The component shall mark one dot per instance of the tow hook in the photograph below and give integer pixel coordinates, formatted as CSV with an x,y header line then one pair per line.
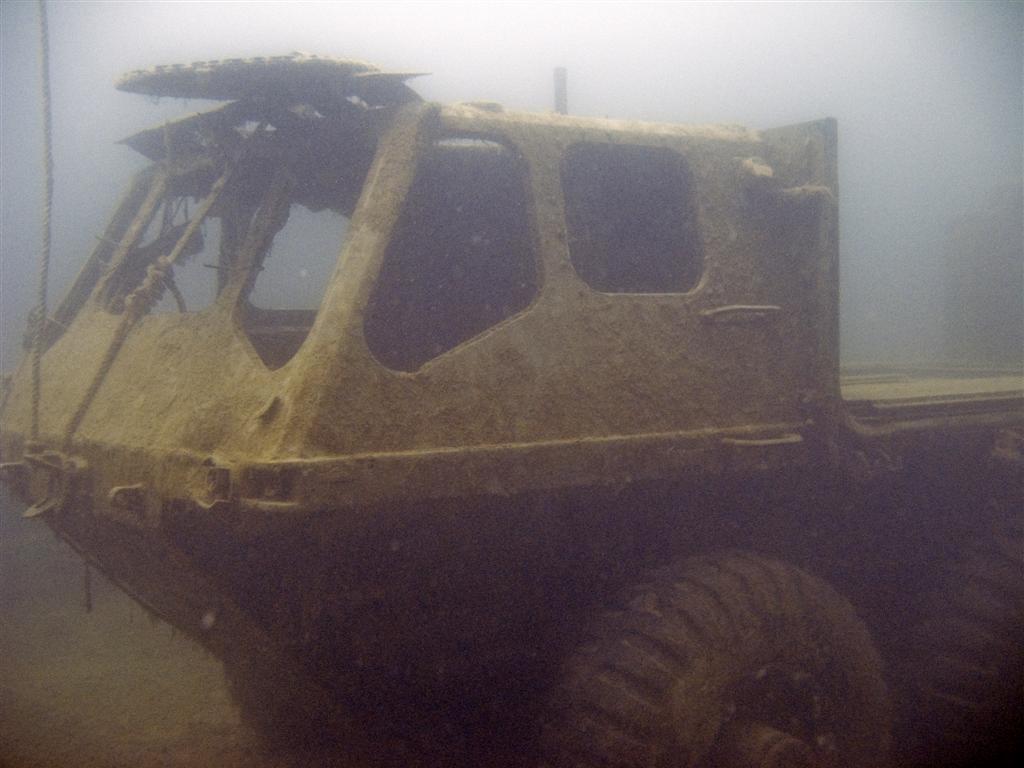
x,y
1009,448
45,479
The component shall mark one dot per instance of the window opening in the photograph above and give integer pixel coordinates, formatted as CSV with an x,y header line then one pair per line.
x,y
291,282
189,286
631,218
462,256
193,284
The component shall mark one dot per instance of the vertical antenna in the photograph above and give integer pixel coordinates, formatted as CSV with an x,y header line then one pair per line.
x,y
561,91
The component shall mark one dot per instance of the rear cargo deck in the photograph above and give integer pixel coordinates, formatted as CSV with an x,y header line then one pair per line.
x,y
879,395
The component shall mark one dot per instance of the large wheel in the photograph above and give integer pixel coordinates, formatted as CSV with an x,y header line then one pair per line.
x,y
966,670
723,661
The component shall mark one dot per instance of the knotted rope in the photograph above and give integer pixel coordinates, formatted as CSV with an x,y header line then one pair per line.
x,y
140,301
38,317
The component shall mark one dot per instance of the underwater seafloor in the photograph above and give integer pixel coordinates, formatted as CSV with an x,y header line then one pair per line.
x,y
89,679
108,687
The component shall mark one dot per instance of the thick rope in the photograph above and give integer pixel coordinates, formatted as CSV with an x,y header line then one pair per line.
x,y
38,320
139,302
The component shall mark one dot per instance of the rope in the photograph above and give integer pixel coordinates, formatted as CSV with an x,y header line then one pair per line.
x,y
38,319
139,302
172,287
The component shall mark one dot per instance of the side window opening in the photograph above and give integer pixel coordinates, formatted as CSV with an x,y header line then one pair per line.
x,y
631,218
291,282
462,257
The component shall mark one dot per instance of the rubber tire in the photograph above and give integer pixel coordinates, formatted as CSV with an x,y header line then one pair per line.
x,y
966,704
655,684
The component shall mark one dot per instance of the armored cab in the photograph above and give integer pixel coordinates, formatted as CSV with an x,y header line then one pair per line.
x,y
414,451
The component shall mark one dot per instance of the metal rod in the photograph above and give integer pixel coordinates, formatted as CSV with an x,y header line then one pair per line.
x,y
87,584
561,91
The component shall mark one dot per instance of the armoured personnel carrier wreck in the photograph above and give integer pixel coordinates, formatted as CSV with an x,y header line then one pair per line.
x,y
561,470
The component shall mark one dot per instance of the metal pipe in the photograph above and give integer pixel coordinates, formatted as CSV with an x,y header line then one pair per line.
x,y
561,91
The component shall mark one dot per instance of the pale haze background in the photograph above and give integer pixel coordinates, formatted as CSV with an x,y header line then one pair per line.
x,y
929,102
928,98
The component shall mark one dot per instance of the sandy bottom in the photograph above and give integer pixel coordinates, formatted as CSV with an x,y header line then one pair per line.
x,y
108,687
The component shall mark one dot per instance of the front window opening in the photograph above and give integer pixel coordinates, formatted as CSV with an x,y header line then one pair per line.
x,y
189,286
462,256
193,280
631,218
290,284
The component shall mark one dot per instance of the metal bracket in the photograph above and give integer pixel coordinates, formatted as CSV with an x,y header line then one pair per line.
x,y
49,478
789,438
1008,448
14,473
128,498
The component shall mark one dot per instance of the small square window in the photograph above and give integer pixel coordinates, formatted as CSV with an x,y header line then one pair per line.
x,y
631,218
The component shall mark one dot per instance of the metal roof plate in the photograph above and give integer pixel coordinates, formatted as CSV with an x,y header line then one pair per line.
x,y
298,75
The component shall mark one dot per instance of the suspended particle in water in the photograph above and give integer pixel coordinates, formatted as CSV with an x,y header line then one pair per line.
x,y
208,620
